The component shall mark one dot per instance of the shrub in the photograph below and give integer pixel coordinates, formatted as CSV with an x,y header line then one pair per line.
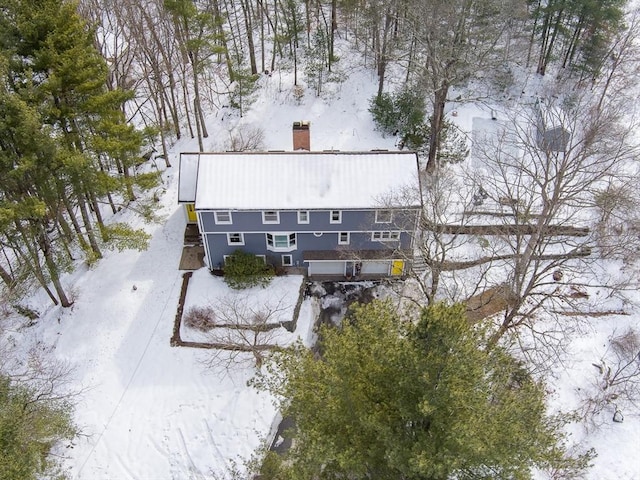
x,y
384,113
401,113
200,318
244,270
245,139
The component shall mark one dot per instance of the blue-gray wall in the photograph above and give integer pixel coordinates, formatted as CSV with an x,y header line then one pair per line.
x,y
256,244
352,220
358,223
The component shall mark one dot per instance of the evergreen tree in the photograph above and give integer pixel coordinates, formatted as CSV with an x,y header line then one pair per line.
x,y
64,143
30,424
391,398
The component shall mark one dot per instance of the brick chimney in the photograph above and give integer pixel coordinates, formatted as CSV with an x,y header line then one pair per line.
x,y
301,136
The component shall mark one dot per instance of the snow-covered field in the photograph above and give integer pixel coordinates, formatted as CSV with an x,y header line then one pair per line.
x,y
149,411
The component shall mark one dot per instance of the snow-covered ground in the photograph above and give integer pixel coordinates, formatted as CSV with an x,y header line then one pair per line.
x,y
150,411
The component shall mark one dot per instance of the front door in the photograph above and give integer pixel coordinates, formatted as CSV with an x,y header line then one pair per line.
x,y
397,267
191,213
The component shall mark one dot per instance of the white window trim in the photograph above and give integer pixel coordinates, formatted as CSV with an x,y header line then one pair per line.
x,y
385,212
340,242
302,222
271,222
289,248
225,259
331,220
290,263
222,222
391,236
230,243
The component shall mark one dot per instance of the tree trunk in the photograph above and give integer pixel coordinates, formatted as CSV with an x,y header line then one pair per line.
x,y
32,261
334,27
91,197
382,54
6,277
186,101
249,27
45,247
436,124
74,221
82,205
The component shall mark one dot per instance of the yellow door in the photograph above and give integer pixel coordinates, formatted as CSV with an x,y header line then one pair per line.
x,y
397,267
191,212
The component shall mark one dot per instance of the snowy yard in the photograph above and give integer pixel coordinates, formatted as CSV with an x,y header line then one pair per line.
x,y
149,411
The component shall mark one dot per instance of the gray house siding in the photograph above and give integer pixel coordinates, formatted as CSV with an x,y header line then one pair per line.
x,y
319,221
256,243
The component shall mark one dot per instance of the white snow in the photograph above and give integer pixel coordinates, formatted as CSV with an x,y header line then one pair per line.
x,y
308,180
150,411
188,175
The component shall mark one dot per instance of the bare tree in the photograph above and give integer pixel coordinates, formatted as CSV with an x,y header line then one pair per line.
x,y
544,170
436,268
455,40
617,378
620,367
618,208
37,412
234,327
245,139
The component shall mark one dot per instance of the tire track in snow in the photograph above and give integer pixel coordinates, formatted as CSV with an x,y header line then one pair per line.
x,y
213,444
192,466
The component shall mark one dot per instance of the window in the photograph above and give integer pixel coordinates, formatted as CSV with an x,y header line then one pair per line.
x,y
281,241
235,238
229,258
222,218
343,238
303,216
336,216
270,216
287,260
385,236
383,216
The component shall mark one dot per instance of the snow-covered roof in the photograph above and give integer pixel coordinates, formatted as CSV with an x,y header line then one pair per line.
x,y
188,174
302,180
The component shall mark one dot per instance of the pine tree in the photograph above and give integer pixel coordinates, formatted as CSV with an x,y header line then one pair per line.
x,y
391,398
30,424
65,142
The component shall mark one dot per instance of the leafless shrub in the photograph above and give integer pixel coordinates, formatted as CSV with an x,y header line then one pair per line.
x,y
245,139
622,375
202,319
618,376
242,329
619,221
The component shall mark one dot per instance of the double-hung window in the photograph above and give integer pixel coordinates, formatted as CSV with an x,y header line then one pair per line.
x,y
235,239
303,216
335,216
344,238
385,236
270,216
222,218
281,242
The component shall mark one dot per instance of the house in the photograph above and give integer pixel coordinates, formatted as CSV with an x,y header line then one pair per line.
x,y
551,135
323,214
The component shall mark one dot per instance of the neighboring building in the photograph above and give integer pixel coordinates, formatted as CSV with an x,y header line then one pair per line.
x,y
326,214
551,135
